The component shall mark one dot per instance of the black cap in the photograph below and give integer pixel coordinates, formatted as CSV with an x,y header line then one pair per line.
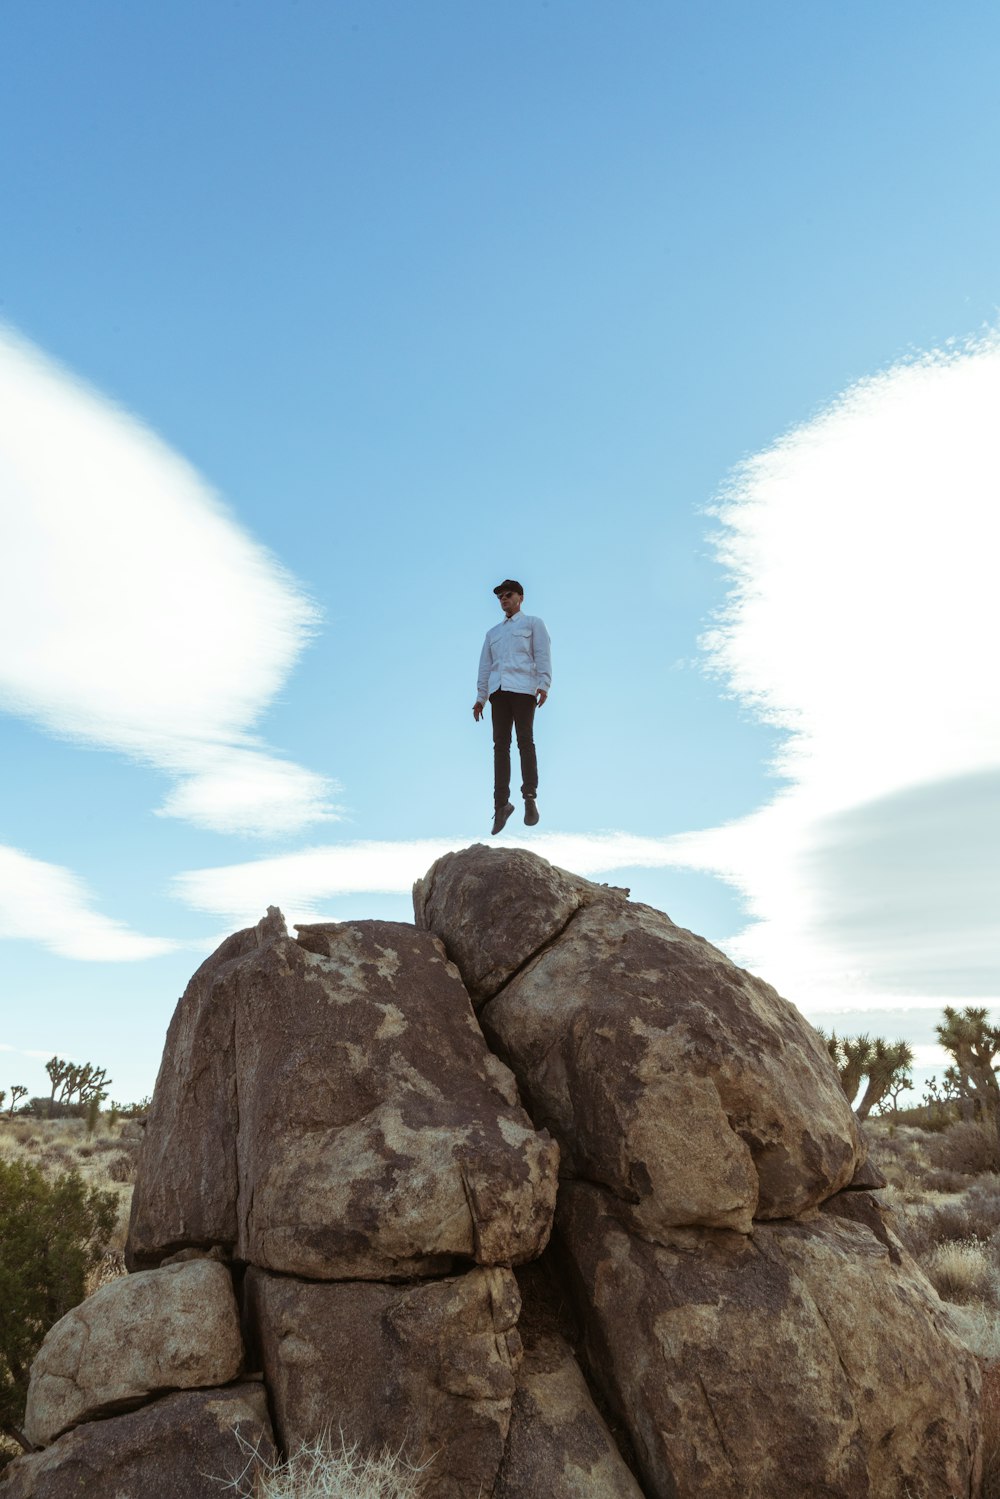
x,y
508,585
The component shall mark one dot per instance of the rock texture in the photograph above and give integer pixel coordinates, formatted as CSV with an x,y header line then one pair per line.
x,y
806,1358
723,1308
140,1335
427,1368
368,1129
687,1087
558,1444
182,1445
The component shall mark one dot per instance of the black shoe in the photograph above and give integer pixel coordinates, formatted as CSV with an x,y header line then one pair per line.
x,y
500,817
530,811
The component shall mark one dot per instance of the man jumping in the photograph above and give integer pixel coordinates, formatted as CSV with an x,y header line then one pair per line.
x,y
515,673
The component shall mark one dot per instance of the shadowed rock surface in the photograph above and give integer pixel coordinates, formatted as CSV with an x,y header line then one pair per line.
x,y
686,1086
426,1368
180,1447
558,1445
370,1131
808,1358
136,1337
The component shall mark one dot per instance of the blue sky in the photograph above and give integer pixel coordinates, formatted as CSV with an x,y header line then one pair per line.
x,y
320,319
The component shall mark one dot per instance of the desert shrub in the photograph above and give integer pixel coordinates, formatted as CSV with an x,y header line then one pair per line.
x,y
982,1200
329,1469
967,1147
52,1234
121,1169
939,1179
960,1271
51,1108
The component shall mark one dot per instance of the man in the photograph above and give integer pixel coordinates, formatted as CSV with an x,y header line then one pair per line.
x,y
515,672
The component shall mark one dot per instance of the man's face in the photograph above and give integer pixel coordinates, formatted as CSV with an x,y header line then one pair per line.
x,y
510,602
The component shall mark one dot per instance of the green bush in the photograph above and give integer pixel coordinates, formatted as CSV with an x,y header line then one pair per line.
x,y
52,1234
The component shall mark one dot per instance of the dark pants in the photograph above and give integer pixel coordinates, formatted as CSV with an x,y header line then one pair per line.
x,y
513,710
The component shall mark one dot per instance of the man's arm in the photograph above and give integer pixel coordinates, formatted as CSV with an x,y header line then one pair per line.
x,y
483,680
541,648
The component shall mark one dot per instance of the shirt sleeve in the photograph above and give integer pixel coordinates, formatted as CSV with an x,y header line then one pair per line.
x,y
485,662
542,650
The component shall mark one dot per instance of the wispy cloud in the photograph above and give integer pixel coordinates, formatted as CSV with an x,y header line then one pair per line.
x,y
137,614
50,905
304,883
862,554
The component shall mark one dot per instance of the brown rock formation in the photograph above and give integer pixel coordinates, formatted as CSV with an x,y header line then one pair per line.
x,y
329,1116
182,1445
686,1086
138,1336
377,1136
426,1368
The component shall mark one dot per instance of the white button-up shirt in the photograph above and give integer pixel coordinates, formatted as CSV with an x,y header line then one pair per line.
x,y
517,656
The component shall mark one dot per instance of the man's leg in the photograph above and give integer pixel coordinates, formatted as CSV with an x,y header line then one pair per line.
x,y
502,708
524,722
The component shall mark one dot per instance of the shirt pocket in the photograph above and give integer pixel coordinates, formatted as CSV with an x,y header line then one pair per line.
x,y
521,644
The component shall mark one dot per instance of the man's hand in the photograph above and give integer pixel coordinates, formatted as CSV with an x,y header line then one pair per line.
x,y
477,711
540,697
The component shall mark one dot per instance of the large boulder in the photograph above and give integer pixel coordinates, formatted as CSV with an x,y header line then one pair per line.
x,y
558,1444
685,1085
368,1128
194,1445
425,1369
138,1336
809,1358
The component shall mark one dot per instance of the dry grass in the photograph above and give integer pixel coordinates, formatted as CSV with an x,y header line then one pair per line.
x,y
327,1469
946,1204
960,1270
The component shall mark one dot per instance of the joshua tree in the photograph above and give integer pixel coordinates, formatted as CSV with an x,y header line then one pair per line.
x,y
974,1043
16,1093
885,1064
83,1081
888,1071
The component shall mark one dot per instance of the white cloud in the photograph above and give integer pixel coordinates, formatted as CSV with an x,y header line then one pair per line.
x,y
301,882
47,904
862,552
139,616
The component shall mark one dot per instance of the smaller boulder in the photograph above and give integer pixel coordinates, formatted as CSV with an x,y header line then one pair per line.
x,y
425,1369
194,1444
499,907
171,1329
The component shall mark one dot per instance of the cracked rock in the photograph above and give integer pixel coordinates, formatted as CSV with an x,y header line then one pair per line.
x,y
426,1369
361,1125
685,1085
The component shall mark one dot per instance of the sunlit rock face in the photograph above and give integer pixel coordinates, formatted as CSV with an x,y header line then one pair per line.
x,y
688,1088
137,1337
